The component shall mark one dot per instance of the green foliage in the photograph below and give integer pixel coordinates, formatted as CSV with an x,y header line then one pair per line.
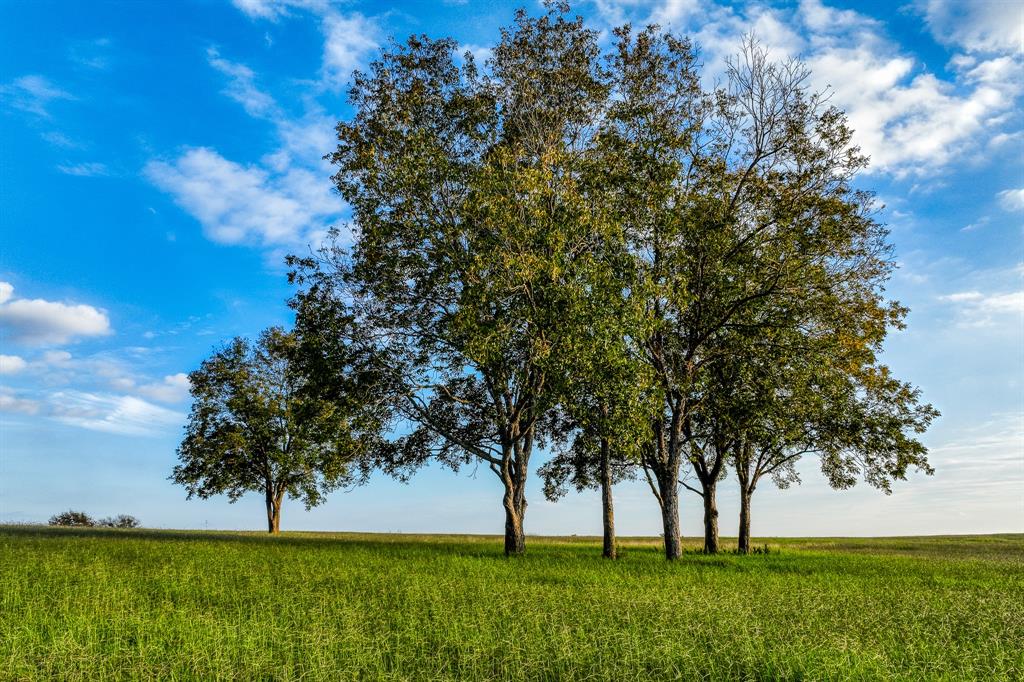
x,y
119,521
592,249
259,423
85,604
72,518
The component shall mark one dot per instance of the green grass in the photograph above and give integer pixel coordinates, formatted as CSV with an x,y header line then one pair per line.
x,y
95,604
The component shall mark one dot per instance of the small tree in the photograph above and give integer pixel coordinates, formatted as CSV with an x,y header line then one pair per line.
x,y
119,521
257,424
72,518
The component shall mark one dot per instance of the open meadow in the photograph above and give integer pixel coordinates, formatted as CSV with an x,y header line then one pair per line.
x,y
142,604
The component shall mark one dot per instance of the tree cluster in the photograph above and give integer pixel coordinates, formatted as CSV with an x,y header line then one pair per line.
x,y
592,252
80,519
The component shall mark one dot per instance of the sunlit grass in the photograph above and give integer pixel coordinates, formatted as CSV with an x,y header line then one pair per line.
x,y
186,605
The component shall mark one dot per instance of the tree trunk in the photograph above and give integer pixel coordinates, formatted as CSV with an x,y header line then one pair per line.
x,y
273,514
515,538
710,518
670,519
607,508
743,545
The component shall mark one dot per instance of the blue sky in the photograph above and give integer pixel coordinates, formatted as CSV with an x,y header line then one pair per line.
x,y
157,160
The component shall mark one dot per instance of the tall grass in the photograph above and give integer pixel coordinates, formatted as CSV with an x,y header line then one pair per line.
x,y
90,604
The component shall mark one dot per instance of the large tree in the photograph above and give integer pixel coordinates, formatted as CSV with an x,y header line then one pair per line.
x,y
469,219
259,425
740,206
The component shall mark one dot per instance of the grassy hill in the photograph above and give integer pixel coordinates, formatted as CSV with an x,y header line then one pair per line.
x,y
94,604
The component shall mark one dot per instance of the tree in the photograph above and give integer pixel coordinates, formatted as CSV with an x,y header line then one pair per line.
x,y
72,518
469,220
858,419
745,225
119,521
259,424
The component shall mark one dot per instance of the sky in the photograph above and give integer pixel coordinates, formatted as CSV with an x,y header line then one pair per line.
x,y
158,160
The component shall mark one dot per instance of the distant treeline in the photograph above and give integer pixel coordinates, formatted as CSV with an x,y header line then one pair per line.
x,y
596,250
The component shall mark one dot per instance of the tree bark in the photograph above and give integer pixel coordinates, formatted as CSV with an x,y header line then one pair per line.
x,y
515,538
670,519
607,508
710,518
513,477
273,514
743,544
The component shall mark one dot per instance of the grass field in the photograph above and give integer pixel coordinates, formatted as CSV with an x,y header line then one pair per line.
x,y
95,604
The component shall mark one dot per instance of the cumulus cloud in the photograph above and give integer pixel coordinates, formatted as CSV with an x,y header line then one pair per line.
x,y
236,203
979,26
118,414
41,322
909,120
1011,199
173,389
11,364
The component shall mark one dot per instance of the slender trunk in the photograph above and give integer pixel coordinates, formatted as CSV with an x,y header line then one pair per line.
x,y
670,519
743,545
607,508
273,514
710,518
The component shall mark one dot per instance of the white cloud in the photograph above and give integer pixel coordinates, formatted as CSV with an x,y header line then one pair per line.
x,y
173,389
977,26
908,119
12,403
236,203
119,414
977,309
348,39
56,357
11,364
86,170
59,139
273,9
33,94
40,322
242,86
1012,199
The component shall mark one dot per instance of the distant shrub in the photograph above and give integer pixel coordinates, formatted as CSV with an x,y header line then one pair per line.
x,y
119,521
72,518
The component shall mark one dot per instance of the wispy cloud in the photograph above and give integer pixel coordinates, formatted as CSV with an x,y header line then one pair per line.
x,y
981,310
242,86
1011,199
33,94
118,414
89,169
